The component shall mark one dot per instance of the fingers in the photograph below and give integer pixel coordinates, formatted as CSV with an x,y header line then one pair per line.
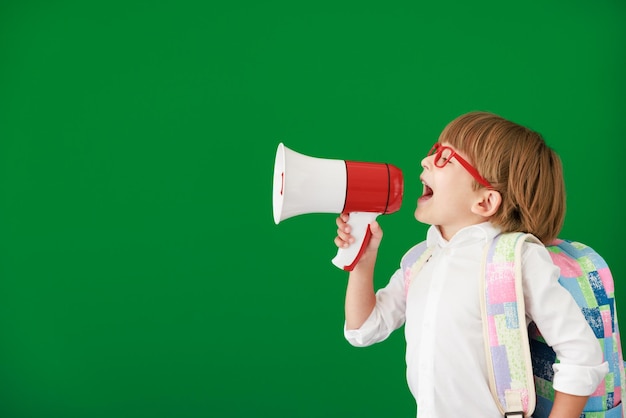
x,y
343,238
340,243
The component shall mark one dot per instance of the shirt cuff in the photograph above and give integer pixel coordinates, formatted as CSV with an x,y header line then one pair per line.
x,y
363,336
578,380
354,336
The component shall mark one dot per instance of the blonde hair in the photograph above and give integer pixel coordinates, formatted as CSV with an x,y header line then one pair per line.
x,y
520,166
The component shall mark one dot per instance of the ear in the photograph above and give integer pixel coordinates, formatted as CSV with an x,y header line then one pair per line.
x,y
488,203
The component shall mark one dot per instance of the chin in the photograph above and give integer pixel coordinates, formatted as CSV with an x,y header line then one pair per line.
x,y
420,217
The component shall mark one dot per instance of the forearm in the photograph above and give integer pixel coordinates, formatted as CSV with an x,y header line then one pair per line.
x,y
360,295
567,406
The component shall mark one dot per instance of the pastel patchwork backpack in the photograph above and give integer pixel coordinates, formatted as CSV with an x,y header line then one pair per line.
x,y
519,360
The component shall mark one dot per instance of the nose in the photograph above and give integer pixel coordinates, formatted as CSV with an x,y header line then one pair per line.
x,y
426,162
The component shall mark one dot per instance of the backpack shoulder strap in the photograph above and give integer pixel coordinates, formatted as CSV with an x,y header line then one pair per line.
x,y
413,261
504,325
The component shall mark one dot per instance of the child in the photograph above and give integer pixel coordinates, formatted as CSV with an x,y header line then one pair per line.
x,y
485,175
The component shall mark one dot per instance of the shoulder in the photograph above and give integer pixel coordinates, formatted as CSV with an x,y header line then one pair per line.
x,y
538,268
535,252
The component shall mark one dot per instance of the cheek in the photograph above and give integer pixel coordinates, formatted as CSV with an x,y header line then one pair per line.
x,y
462,180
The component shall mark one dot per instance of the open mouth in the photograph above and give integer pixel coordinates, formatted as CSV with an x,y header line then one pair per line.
x,y
427,192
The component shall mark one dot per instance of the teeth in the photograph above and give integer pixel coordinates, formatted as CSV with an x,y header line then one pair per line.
x,y
427,190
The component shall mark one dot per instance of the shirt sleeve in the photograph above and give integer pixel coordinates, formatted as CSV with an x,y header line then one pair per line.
x,y
386,317
555,312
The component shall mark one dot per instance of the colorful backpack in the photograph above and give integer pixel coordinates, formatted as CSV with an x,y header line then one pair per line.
x,y
519,360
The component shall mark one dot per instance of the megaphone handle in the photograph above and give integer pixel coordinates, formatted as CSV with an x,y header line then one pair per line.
x,y
359,222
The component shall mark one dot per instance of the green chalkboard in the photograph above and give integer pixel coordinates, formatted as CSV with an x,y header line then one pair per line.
x,y
141,271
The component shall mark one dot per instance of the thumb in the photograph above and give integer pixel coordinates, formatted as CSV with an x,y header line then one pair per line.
x,y
377,234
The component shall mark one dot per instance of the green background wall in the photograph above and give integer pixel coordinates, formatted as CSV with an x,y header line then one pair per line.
x,y
141,272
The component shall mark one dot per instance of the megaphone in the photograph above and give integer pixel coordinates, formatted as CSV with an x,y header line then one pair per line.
x,y
304,184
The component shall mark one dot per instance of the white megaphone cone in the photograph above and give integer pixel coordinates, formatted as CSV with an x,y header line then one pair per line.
x,y
304,184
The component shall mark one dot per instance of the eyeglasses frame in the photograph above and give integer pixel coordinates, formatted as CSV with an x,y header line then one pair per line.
x,y
438,149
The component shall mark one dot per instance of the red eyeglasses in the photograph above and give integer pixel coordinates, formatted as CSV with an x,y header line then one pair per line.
x,y
443,155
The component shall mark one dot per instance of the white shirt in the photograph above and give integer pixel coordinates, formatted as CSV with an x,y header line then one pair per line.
x,y
445,357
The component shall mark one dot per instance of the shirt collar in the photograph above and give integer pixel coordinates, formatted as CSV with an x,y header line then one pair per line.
x,y
482,232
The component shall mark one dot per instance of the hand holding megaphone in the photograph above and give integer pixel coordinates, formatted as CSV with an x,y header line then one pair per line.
x,y
360,233
364,190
